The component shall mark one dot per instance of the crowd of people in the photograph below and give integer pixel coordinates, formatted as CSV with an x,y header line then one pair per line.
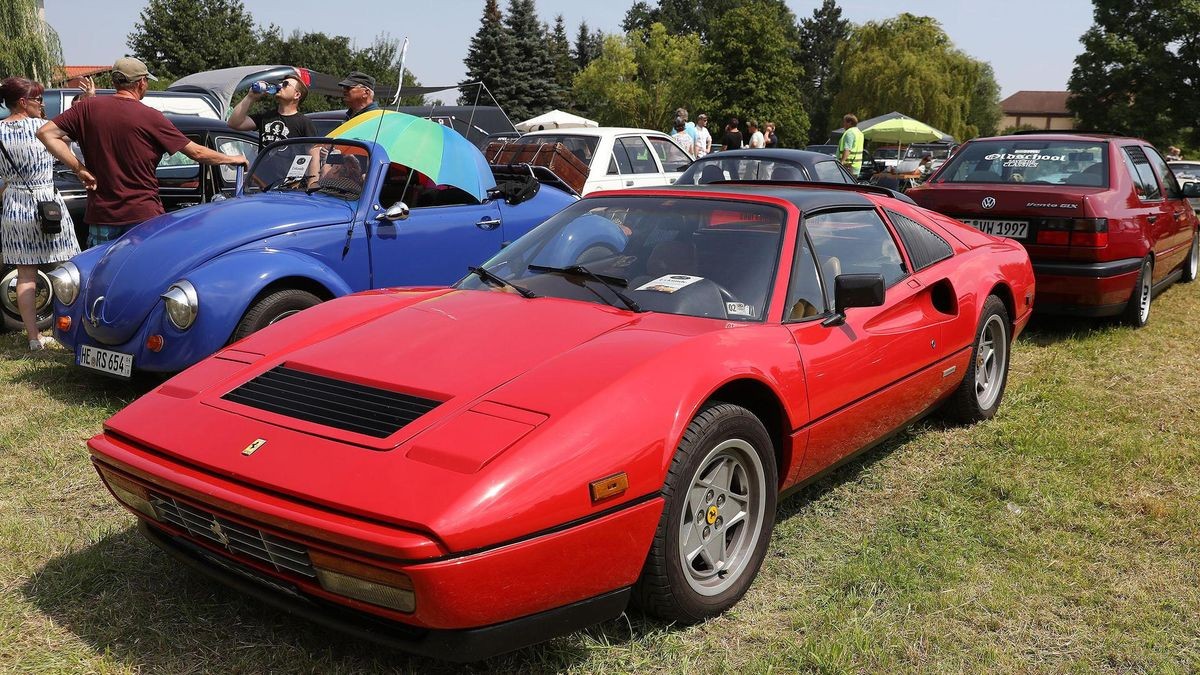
x,y
120,143
697,140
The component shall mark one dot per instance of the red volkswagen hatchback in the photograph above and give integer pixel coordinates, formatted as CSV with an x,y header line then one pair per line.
x,y
1103,218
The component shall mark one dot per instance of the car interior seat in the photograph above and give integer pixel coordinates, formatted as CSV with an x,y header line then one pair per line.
x,y
671,257
786,172
711,174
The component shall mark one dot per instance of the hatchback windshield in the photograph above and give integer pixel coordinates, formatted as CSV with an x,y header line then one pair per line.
x,y
1039,162
695,257
939,151
333,168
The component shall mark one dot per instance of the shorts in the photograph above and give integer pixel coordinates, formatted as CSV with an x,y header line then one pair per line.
x,y
101,234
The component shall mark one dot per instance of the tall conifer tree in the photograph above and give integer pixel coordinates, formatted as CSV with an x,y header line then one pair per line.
x,y
532,88
488,56
819,40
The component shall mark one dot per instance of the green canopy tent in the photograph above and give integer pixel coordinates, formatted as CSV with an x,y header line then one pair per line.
x,y
902,130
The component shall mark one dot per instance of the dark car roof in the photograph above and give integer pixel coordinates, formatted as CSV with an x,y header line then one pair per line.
x,y
186,123
805,196
800,156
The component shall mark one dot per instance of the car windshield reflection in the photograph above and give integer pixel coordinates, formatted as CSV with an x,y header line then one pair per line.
x,y
687,256
332,168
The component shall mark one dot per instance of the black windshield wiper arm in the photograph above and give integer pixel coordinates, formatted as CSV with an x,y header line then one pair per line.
x,y
610,281
488,275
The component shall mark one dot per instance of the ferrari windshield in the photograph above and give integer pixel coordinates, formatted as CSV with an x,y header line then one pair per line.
x,y
330,167
695,257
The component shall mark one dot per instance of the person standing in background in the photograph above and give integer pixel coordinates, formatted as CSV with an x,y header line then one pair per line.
x,y
732,138
683,139
771,139
358,93
703,137
28,173
756,136
850,145
284,122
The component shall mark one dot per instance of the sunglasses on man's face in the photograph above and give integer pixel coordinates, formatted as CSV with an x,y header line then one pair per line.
x,y
285,84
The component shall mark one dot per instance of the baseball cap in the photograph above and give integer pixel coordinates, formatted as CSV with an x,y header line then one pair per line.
x,y
356,78
131,69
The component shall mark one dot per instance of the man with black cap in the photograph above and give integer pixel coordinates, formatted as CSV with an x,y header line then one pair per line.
x,y
358,92
122,142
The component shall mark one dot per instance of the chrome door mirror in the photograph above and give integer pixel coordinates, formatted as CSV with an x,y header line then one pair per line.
x,y
395,212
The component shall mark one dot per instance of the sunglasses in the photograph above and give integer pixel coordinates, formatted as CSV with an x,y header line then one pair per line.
x,y
285,84
35,99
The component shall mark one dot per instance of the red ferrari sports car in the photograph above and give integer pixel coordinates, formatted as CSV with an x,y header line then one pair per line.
x,y
607,410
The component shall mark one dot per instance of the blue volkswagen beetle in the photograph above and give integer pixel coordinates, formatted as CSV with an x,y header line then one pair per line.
x,y
316,219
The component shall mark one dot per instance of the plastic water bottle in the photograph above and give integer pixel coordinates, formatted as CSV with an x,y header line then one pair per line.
x,y
261,87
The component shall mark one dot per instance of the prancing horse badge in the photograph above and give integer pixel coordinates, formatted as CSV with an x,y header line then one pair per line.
x,y
253,447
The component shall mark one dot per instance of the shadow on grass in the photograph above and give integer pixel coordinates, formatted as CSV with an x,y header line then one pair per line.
x,y
1045,330
56,375
129,601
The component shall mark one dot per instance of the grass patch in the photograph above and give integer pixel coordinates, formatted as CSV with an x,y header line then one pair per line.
x,y
1061,536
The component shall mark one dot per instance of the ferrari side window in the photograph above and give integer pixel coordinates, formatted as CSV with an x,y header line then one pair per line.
x,y
854,242
805,299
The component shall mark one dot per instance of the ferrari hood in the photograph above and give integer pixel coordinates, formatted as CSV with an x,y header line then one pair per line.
x,y
137,268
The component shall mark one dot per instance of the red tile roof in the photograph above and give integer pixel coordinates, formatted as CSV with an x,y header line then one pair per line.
x,y
1036,103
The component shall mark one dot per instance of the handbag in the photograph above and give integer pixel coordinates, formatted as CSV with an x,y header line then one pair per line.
x,y
48,212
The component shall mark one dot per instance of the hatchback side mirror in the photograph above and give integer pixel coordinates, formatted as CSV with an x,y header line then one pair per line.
x,y
1191,189
854,290
395,212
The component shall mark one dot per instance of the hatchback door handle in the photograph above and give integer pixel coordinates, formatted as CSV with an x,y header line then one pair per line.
x,y
488,224
628,183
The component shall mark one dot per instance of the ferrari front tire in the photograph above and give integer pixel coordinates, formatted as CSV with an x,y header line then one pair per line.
x,y
978,396
275,307
720,494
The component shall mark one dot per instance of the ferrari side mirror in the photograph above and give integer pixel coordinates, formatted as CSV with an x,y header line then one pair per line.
x,y
854,290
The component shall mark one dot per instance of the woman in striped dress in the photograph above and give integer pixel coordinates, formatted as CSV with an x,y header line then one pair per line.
x,y
30,181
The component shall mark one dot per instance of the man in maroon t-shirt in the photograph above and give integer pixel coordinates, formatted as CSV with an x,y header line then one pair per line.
x,y
122,142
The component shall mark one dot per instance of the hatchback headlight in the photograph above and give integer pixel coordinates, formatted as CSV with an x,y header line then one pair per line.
x,y
182,304
65,280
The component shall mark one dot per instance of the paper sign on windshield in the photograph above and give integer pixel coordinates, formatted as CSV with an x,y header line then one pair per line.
x,y
669,283
299,167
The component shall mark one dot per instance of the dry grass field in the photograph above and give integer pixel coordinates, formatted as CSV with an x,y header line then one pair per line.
x,y
1063,536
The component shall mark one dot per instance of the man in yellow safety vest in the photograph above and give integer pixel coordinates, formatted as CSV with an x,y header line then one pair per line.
x,y
850,147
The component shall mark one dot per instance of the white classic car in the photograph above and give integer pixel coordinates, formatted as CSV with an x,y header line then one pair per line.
x,y
618,157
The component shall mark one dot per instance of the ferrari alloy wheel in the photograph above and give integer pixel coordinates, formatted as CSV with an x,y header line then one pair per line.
x,y
1137,312
1191,266
273,308
712,536
978,397
43,299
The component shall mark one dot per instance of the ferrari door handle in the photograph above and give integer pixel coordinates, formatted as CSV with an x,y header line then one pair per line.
x,y
488,224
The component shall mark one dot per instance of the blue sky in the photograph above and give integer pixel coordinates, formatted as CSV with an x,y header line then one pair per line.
x,y
1031,44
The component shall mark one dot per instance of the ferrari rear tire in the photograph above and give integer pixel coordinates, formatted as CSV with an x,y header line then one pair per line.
x,y
1192,265
720,493
274,307
1137,312
43,298
978,396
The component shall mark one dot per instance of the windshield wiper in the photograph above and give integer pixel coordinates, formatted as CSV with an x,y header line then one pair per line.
x,y
337,189
280,183
610,281
488,275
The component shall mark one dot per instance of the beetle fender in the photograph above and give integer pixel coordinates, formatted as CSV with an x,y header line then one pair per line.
x,y
227,285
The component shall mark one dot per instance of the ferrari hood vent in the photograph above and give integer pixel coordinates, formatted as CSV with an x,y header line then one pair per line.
x,y
334,403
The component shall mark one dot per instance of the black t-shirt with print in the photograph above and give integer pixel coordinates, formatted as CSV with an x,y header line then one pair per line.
x,y
275,127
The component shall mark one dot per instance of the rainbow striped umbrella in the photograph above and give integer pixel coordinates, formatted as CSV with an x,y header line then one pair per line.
x,y
439,152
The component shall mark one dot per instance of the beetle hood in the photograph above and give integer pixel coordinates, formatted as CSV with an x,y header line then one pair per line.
x,y
126,283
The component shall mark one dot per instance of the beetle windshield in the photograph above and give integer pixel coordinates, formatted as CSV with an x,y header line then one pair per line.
x,y
329,167
689,256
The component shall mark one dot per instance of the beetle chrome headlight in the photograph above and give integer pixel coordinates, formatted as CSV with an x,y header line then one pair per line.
x,y
65,280
182,304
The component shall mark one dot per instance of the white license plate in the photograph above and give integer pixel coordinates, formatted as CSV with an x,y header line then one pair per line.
x,y
1013,229
113,363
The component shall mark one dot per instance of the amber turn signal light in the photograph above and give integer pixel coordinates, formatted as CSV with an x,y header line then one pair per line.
x,y
63,323
154,343
609,487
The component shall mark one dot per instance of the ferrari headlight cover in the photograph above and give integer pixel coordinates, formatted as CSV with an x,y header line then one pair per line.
x,y
182,304
65,280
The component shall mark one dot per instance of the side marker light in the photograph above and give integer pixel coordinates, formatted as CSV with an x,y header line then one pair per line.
x,y
609,487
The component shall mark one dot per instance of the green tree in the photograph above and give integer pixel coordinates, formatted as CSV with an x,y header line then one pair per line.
x,y
559,47
587,46
33,50
751,68
820,37
1132,77
530,86
640,78
908,64
179,37
488,56
983,110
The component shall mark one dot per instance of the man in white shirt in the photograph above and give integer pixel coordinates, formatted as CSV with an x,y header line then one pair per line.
x,y
756,137
703,137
